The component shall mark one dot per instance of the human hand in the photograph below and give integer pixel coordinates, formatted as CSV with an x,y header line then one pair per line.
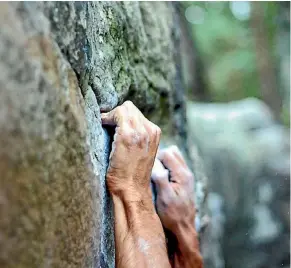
x,y
175,204
139,236
133,152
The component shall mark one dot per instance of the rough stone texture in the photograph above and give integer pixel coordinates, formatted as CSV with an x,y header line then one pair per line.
x,y
124,48
247,160
60,64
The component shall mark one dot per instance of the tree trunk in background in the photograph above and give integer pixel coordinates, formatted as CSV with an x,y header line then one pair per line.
x,y
265,63
193,69
283,56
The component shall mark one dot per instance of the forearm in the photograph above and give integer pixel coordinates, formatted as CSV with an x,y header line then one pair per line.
x,y
139,235
187,254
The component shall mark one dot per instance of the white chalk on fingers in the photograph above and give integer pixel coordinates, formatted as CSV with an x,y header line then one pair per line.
x,y
158,171
174,148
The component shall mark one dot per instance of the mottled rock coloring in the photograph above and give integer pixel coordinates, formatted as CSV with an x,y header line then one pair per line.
x,y
61,63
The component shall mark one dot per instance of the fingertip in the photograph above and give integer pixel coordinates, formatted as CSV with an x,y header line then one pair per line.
x,y
105,119
160,176
160,154
160,184
103,115
174,148
157,165
159,171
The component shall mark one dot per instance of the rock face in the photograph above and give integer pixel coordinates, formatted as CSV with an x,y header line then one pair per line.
x,y
247,160
61,63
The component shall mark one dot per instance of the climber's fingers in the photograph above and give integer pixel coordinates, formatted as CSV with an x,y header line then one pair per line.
x,y
116,117
132,126
173,160
127,113
160,176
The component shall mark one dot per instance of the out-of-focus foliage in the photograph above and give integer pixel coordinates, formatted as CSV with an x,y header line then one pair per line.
x,y
227,51
244,54
225,40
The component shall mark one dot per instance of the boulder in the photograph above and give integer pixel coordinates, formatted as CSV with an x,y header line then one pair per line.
x,y
247,160
61,64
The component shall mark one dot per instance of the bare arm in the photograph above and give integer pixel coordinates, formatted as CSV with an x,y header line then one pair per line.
x,y
139,236
175,204
187,254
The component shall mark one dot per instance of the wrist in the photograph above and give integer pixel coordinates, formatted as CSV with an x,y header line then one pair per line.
x,y
139,212
187,238
128,188
133,200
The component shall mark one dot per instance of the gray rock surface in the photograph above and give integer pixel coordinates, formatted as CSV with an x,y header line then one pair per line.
x,y
61,62
247,160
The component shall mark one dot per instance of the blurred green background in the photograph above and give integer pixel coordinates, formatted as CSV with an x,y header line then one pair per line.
x,y
245,51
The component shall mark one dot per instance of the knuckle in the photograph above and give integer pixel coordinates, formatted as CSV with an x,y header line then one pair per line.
x,y
120,111
129,104
130,120
158,132
168,154
160,175
154,131
174,150
144,137
141,138
133,137
126,134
